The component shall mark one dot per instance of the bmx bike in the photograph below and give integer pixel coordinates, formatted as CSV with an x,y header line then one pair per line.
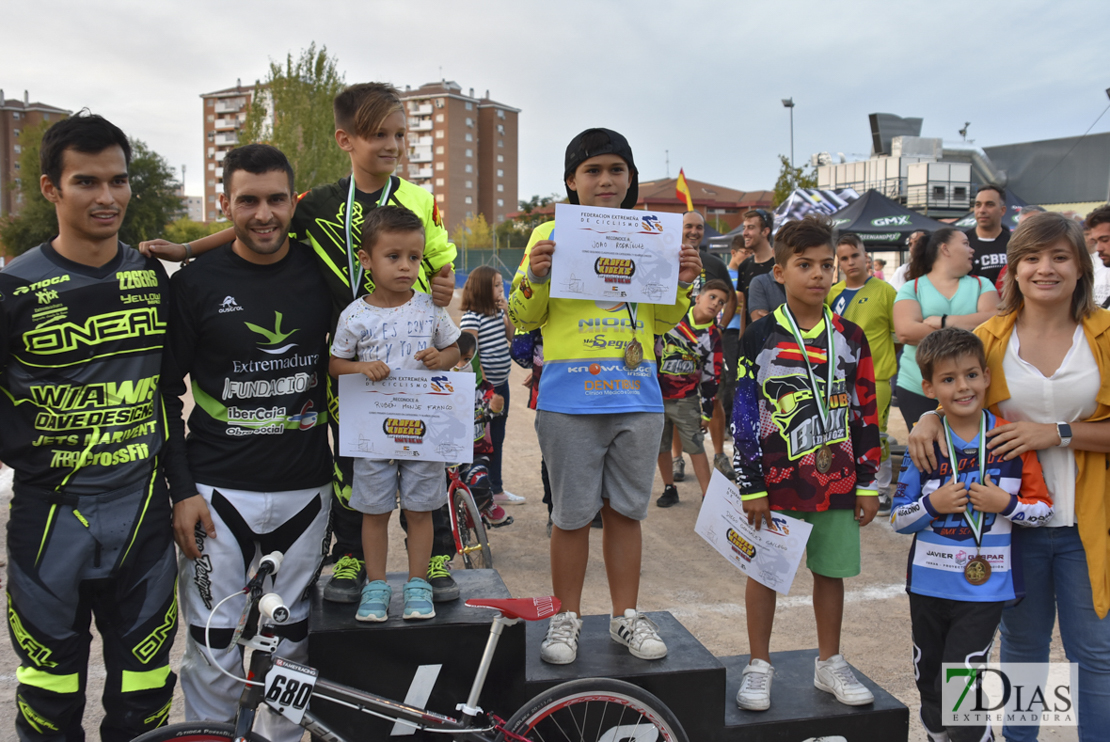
x,y
585,710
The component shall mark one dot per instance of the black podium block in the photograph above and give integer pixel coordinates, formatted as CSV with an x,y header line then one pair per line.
x,y
688,679
384,658
800,711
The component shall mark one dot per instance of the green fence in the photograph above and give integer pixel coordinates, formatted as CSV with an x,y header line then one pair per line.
x,y
505,260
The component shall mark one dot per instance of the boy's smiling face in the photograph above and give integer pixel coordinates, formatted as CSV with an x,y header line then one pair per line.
x,y
960,385
380,153
601,181
807,275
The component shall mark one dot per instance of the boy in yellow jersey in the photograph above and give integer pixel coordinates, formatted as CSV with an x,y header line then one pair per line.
x,y
600,449
868,301
370,127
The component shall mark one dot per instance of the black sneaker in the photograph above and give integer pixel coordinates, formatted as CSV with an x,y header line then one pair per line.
x,y
678,469
669,496
347,579
444,587
884,504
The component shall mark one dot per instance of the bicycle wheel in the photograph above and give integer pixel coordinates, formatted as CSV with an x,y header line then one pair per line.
x,y
195,731
596,710
472,532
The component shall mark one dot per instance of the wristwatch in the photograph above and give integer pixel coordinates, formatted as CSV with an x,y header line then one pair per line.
x,y
1064,431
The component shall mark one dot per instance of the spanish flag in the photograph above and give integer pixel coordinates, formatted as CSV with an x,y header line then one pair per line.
x,y
683,191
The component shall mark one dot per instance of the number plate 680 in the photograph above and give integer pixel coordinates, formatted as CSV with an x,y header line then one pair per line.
x,y
288,688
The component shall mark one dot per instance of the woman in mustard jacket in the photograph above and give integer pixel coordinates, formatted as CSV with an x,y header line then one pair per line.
x,y
1048,351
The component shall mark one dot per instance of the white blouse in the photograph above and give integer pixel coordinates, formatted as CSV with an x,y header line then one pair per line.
x,y
1066,396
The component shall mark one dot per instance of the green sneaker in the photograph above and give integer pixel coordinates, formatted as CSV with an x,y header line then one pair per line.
x,y
444,587
347,578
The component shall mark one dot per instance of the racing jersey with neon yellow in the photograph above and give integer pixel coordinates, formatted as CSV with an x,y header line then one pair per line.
x,y
584,343
80,363
320,222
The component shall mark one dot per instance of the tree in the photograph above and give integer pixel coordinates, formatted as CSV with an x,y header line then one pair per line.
x,y
292,110
473,233
186,230
516,231
791,178
154,199
36,221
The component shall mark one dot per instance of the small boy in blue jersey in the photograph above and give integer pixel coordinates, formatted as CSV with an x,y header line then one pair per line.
x,y
961,564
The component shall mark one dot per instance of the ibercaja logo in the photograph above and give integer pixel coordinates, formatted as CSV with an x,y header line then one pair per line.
x,y
615,270
741,545
404,431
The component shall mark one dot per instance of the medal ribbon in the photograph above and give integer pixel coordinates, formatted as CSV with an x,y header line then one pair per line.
x,y
356,284
632,316
823,403
973,517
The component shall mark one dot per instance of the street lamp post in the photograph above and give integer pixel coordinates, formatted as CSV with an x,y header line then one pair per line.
x,y
789,103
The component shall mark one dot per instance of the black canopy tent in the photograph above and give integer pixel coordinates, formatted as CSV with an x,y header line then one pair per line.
x,y
880,222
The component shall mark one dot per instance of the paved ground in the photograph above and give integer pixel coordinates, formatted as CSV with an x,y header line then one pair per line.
x,y
681,574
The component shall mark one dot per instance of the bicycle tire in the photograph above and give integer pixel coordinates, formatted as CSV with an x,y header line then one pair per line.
x,y
595,709
195,731
475,550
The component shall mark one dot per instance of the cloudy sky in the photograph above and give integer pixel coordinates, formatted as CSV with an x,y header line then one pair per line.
x,y
702,80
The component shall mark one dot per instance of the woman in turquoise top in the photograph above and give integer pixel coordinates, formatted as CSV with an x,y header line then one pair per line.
x,y
938,293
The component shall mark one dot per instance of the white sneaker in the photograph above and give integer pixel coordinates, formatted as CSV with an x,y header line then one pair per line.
x,y
834,676
508,498
560,646
755,686
639,633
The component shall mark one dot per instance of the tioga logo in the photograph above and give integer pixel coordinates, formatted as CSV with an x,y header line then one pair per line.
x,y
741,545
404,431
615,270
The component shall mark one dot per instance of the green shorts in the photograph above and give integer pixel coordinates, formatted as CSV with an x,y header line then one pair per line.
x,y
833,547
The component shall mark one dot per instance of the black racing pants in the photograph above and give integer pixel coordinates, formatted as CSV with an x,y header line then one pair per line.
x,y
107,556
952,631
346,522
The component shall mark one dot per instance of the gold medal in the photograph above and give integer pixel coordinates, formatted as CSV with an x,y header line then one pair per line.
x,y
633,354
824,459
977,571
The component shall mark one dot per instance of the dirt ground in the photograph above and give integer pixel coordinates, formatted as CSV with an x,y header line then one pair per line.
x,y
681,574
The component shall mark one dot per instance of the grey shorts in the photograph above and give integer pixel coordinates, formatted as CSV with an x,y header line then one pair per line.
x,y
422,484
591,458
683,415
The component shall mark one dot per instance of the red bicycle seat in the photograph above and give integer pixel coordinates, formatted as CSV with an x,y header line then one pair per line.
x,y
530,609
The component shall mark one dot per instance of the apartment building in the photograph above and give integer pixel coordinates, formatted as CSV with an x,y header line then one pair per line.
x,y
15,116
224,113
463,149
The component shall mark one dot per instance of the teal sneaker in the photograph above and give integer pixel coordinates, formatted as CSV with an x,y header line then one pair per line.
x,y
374,605
418,599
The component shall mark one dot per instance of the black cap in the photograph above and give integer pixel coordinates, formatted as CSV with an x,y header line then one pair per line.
x,y
594,142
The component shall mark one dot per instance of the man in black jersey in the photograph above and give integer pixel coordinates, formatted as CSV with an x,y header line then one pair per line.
x,y
988,238
249,327
757,238
82,322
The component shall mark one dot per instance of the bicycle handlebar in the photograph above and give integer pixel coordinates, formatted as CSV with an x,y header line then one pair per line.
x,y
269,565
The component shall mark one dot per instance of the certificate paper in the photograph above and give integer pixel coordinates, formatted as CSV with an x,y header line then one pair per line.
x,y
421,415
615,254
769,556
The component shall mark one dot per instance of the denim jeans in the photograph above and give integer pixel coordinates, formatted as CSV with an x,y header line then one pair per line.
x,y
1056,580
